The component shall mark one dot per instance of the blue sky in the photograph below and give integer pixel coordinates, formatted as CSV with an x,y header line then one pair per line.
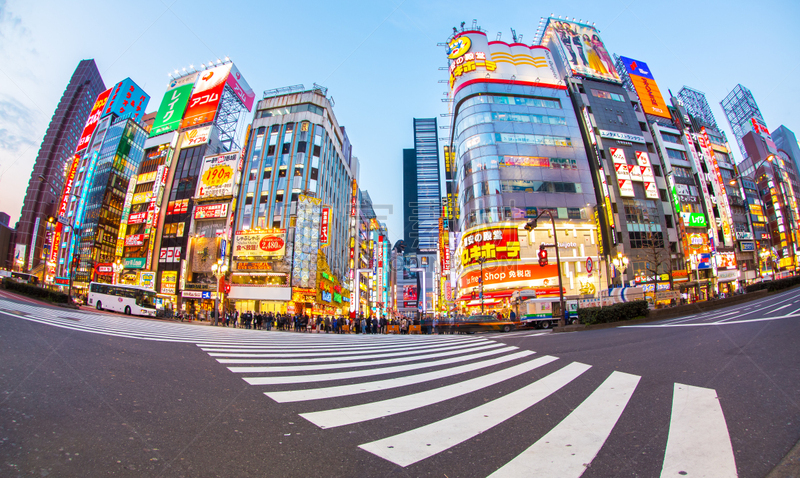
x,y
379,60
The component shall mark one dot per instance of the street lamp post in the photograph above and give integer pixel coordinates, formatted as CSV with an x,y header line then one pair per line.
x,y
219,269
421,270
621,265
531,225
357,285
481,260
117,266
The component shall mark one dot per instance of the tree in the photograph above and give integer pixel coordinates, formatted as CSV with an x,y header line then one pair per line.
x,y
658,259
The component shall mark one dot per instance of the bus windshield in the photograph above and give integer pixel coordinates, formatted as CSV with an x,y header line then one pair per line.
x,y
146,299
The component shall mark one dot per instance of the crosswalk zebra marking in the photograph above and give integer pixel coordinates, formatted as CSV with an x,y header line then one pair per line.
x,y
232,358
420,443
378,385
567,448
339,349
281,380
698,443
365,363
369,411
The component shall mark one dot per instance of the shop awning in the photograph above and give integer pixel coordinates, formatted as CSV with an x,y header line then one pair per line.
x,y
477,302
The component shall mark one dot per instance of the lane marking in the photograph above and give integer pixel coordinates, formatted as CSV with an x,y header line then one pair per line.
x,y
779,308
322,377
415,445
376,385
698,443
706,324
370,411
566,450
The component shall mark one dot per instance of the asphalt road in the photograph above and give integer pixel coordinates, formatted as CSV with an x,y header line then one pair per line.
x,y
87,394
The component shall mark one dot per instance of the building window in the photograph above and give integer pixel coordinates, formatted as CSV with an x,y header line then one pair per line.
x,y
607,95
676,154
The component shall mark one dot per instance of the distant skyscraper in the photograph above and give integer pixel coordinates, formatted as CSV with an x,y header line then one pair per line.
x,y
742,112
421,188
697,105
58,146
786,141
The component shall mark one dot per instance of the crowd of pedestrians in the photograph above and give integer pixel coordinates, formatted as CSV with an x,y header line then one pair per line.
x,y
330,324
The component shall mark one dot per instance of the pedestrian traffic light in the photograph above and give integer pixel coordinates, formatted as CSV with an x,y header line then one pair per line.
x,y
542,255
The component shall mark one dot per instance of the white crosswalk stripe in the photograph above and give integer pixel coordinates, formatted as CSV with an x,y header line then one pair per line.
x,y
376,373
565,450
698,442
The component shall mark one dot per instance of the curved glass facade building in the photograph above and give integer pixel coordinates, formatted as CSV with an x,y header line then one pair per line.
x,y
517,150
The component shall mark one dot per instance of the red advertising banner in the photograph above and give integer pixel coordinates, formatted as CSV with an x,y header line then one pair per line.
x,y
138,218
205,98
64,204
54,245
492,244
324,224
202,107
104,269
94,117
494,275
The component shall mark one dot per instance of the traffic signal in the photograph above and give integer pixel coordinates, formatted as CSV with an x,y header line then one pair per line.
x,y
542,255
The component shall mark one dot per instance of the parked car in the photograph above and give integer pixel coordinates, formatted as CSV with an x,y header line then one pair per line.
x,y
483,323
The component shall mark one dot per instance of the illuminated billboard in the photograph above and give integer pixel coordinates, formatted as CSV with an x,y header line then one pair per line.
x,y
217,176
492,244
127,100
94,117
171,110
474,58
646,87
67,192
259,243
240,88
206,96
582,50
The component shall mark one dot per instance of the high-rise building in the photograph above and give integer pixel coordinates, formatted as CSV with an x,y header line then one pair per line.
x,y
89,236
421,188
743,114
697,105
786,141
296,187
47,179
517,152
627,175
778,185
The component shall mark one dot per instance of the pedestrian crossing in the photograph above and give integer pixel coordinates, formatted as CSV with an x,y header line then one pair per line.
x,y
380,380
347,382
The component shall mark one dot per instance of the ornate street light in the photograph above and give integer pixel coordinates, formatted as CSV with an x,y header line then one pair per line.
x,y
620,263
219,269
530,226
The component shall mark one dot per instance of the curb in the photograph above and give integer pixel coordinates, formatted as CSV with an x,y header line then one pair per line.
x,y
678,311
789,467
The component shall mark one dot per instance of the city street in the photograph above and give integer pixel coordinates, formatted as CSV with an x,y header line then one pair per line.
x,y
96,394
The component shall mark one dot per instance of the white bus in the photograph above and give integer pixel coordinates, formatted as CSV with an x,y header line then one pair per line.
x,y
122,298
